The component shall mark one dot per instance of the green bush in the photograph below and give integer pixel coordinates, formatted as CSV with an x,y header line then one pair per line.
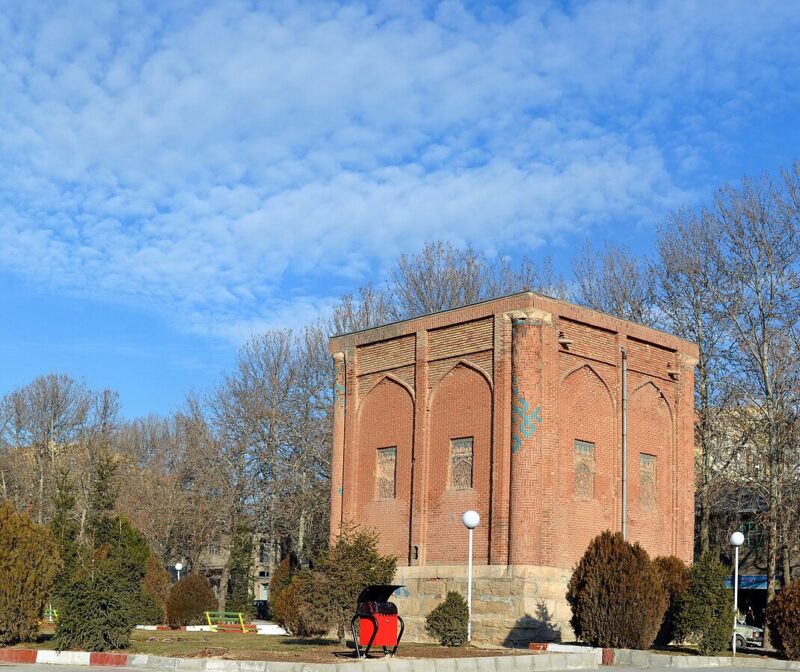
x,y
783,617
189,599
616,595
447,623
94,613
28,565
674,575
294,610
706,611
343,571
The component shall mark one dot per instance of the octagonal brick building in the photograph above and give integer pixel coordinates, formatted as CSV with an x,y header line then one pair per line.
x,y
512,407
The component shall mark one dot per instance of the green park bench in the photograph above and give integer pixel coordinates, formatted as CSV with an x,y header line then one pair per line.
x,y
228,621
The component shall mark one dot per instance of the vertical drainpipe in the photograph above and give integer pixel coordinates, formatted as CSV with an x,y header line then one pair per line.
x,y
624,443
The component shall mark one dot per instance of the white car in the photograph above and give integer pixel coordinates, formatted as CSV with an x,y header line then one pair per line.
x,y
749,635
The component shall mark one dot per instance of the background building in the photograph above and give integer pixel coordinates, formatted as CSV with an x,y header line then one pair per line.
x,y
511,407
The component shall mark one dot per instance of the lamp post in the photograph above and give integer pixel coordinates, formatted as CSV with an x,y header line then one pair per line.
x,y
178,568
737,539
471,520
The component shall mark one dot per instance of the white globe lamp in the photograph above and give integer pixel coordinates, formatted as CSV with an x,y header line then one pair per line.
x,y
471,520
737,539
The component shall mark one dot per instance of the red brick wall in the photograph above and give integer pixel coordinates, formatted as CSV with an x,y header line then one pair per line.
x,y
386,418
413,385
650,431
586,412
461,406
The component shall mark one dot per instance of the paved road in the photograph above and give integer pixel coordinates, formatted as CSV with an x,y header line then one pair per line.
x,y
69,668
41,667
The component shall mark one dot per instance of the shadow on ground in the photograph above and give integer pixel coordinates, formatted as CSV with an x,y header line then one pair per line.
x,y
537,628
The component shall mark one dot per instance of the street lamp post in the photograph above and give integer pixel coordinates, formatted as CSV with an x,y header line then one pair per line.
x,y
178,568
737,539
471,520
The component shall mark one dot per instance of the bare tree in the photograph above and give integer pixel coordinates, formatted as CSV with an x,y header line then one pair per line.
x,y
613,281
757,295
683,272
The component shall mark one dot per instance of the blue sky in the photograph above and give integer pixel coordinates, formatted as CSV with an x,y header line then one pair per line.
x,y
175,177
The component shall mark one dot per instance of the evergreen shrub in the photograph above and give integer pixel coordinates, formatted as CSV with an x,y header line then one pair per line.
x,y
342,571
616,595
28,565
279,581
294,608
674,575
156,585
189,599
447,623
783,618
94,613
706,611
240,583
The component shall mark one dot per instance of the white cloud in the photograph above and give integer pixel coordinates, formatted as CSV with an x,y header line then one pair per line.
x,y
229,164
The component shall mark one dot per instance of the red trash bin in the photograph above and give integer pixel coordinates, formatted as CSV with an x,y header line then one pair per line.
x,y
377,620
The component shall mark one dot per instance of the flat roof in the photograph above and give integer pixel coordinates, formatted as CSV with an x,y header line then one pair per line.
x,y
508,303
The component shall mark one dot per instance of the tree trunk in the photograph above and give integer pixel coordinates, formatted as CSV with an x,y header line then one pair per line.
x,y
222,597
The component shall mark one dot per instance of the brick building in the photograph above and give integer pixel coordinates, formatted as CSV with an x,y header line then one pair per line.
x,y
512,407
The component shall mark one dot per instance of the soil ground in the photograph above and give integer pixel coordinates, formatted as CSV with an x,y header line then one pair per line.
x,y
237,646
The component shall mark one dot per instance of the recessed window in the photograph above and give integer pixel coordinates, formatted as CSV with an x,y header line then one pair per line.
x,y
387,472
584,469
461,463
647,481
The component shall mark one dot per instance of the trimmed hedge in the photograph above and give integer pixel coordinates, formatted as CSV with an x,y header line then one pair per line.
x,y
616,595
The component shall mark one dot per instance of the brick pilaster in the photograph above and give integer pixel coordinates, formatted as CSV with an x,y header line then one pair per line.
x,y
526,421
420,461
338,442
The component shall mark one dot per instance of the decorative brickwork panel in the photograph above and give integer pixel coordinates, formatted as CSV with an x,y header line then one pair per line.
x,y
387,472
647,481
386,355
584,470
588,341
461,339
461,463
649,358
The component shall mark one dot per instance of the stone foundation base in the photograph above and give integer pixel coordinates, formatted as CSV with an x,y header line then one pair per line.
x,y
511,605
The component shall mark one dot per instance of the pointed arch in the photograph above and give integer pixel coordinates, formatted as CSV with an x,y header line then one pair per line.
x,y
387,377
596,374
659,393
464,363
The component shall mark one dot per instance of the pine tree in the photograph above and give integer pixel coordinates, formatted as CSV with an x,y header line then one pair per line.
x,y
65,530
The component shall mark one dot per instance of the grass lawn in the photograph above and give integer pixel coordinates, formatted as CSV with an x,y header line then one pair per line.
x,y
238,646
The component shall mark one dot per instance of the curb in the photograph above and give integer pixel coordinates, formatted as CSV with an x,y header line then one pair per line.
x,y
645,659
510,663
